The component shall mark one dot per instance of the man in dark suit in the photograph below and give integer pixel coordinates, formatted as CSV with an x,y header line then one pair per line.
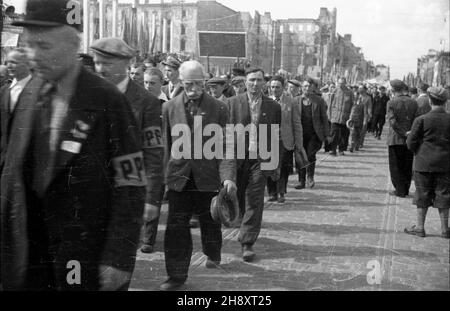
x,y
257,111
316,130
10,94
193,176
401,113
73,184
423,101
291,137
147,110
171,71
429,139
379,111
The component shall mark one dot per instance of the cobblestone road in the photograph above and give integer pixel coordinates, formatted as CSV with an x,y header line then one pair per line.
x,y
344,234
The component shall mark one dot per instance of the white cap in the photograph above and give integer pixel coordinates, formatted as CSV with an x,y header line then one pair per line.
x,y
192,71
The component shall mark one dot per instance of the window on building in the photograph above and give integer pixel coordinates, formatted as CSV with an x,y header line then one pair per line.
x,y
183,13
281,29
183,29
291,28
183,44
309,27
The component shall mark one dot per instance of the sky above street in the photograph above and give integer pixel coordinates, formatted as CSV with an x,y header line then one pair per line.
x,y
390,32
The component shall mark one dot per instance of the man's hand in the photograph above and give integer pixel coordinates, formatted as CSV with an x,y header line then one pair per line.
x,y
112,279
230,187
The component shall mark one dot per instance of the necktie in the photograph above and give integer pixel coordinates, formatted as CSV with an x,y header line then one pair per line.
x,y
42,155
191,111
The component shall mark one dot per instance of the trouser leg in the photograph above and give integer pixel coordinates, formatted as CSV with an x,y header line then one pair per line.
x,y
345,133
335,136
178,239
254,192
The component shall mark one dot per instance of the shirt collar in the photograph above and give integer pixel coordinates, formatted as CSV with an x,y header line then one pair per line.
x,y
122,86
163,96
21,82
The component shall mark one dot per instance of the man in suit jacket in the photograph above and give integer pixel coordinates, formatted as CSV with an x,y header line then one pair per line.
x,y
171,70
429,139
316,130
379,111
338,113
291,137
73,184
401,114
193,177
10,94
253,108
366,101
147,110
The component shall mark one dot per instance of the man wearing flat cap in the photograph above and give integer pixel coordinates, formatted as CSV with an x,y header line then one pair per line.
x,y
401,113
112,57
238,84
216,86
174,87
293,88
429,141
73,184
193,179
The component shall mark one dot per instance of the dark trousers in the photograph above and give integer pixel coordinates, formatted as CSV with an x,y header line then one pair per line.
x,y
340,134
356,137
327,145
178,239
379,124
151,225
400,167
312,145
280,186
250,183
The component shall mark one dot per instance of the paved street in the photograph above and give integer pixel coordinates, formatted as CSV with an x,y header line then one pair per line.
x,y
327,238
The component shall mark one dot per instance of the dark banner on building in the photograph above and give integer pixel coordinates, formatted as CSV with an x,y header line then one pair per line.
x,y
222,44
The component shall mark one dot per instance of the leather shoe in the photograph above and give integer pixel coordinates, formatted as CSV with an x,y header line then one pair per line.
x,y
212,264
147,248
333,153
273,198
172,284
281,199
300,186
310,183
247,253
414,231
396,194
341,153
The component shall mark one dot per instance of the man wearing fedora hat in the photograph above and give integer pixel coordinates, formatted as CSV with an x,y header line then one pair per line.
x,y
174,87
191,181
112,57
73,184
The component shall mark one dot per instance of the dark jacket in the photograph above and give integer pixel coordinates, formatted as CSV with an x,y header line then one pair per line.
x,y
95,197
429,139
340,106
207,174
401,114
423,102
270,114
319,115
148,112
380,105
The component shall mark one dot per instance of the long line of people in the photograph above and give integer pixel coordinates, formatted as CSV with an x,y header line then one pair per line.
x,y
84,156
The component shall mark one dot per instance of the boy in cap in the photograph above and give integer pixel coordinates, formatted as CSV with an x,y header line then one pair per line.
x,y
112,57
73,184
429,139
216,87
238,84
174,87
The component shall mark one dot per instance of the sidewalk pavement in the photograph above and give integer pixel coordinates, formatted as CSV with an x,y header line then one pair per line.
x,y
344,234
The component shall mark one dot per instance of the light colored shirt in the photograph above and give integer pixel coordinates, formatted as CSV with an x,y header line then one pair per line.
x,y
15,90
122,86
255,107
163,96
